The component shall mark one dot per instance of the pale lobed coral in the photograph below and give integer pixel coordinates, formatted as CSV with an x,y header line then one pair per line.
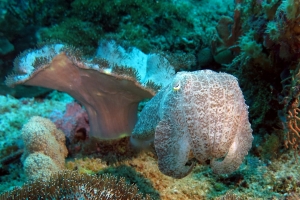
x,y
109,86
39,166
45,149
201,113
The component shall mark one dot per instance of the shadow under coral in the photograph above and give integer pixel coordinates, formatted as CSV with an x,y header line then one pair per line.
x,y
109,151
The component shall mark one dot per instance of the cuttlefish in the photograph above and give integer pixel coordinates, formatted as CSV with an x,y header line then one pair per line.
x,y
200,115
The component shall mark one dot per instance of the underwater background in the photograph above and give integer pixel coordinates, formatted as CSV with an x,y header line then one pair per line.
x,y
256,41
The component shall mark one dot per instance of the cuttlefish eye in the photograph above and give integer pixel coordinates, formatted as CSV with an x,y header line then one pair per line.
x,y
176,87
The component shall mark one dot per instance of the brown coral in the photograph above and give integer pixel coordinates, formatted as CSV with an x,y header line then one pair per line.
x,y
290,112
109,86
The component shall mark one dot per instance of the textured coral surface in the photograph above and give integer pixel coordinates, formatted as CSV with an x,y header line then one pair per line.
x,y
45,148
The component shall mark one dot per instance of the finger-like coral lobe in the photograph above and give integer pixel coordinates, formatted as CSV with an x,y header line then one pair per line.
x,y
109,85
45,149
202,113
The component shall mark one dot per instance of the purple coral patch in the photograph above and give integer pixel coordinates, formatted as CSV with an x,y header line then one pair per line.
x,y
74,122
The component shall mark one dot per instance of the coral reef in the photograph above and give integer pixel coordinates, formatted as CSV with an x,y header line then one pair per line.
x,y
124,20
143,171
268,51
181,27
253,180
12,121
276,179
289,114
74,122
72,185
38,165
267,67
225,40
132,177
45,149
202,112
109,87
228,196
256,41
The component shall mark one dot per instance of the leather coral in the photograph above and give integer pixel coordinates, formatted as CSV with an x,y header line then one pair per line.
x,y
201,113
109,85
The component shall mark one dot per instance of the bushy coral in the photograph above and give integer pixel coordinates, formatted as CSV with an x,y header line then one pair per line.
x,y
272,30
270,148
291,8
132,177
268,47
140,22
20,20
72,185
249,46
252,51
78,33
